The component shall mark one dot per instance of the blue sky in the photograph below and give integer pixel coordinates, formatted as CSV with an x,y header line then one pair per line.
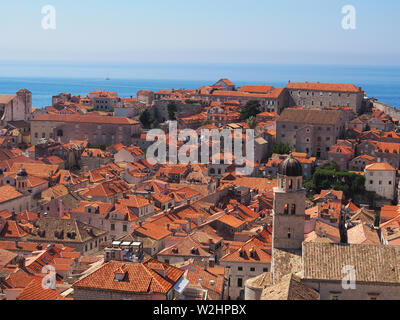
x,y
251,31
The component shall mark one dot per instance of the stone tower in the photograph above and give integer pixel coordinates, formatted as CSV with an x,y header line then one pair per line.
x,y
21,181
25,100
289,207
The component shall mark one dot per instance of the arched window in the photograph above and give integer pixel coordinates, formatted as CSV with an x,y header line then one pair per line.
x,y
290,184
293,209
286,209
289,234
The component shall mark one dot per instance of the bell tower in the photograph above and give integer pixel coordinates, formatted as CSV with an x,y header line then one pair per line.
x,y
289,207
21,180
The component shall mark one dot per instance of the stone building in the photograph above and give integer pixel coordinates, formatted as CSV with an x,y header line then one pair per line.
x,y
381,179
373,268
250,260
359,163
94,129
72,233
145,96
15,107
312,132
313,270
320,95
289,206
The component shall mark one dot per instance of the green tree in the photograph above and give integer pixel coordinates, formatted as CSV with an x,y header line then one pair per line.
x,y
251,109
252,122
327,177
206,122
281,148
172,109
146,119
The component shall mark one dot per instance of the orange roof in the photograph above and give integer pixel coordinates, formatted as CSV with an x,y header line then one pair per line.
x,y
140,278
85,119
253,251
199,276
261,184
231,221
35,291
380,166
6,257
8,193
256,88
338,87
153,231
134,201
388,147
107,188
389,212
187,247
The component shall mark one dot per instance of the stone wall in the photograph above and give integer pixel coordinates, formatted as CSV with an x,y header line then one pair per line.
x,y
389,110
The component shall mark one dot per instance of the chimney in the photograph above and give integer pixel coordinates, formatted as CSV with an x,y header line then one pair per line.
x,y
60,209
211,262
21,262
212,284
343,229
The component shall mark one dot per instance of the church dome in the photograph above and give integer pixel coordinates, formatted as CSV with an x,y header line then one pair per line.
x,y
290,167
22,173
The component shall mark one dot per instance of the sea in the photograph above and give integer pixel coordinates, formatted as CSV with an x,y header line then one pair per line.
x,y
46,79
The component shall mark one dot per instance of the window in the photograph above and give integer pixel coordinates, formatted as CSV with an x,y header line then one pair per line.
x,y
240,282
289,233
293,210
240,268
166,261
371,182
124,228
252,269
390,182
286,209
112,226
265,269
